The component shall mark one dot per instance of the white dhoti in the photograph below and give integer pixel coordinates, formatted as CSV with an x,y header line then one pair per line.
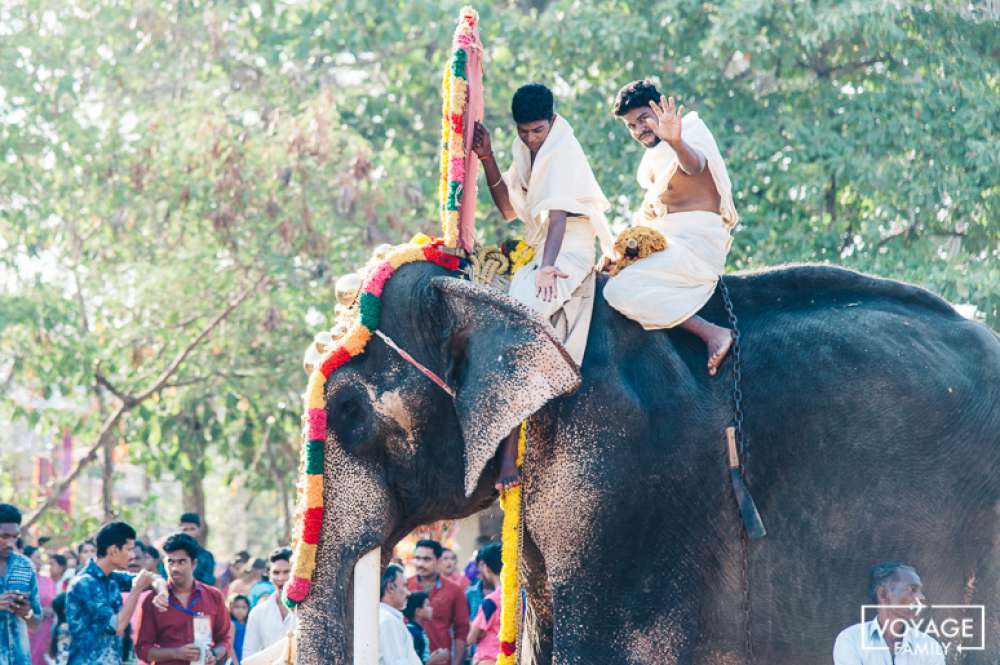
x,y
576,259
559,179
668,287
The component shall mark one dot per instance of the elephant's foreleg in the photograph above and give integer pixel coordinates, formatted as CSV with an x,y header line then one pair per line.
x,y
536,633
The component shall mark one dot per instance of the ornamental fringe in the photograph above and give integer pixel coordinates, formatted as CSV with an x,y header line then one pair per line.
x,y
510,589
309,512
454,103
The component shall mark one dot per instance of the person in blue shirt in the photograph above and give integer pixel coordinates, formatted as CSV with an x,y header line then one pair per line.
x,y
96,614
239,610
204,571
20,607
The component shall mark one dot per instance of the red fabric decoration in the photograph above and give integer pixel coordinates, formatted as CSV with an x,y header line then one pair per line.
x,y
312,521
456,123
446,261
507,648
335,360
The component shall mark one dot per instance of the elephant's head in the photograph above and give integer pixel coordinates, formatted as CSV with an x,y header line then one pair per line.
x,y
401,452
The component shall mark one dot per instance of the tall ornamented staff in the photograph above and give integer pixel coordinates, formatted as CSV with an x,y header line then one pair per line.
x,y
462,107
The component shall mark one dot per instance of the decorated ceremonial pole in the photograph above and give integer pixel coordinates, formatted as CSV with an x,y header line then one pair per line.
x,y
461,109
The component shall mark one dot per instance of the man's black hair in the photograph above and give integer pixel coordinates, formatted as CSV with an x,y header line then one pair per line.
x,y
190,518
19,544
882,573
490,555
390,574
113,533
431,544
79,548
59,608
280,554
29,550
259,564
9,514
43,540
58,558
151,551
182,541
414,602
532,102
242,556
635,95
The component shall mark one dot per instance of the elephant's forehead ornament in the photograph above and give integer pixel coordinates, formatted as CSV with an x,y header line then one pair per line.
x,y
337,350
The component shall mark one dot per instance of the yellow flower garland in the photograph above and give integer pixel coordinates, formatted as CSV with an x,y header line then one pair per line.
x,y
510,590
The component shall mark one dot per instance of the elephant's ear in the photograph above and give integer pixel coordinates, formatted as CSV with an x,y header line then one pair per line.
x,y
506,365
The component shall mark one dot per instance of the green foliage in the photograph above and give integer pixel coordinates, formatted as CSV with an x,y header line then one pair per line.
x,y
155,158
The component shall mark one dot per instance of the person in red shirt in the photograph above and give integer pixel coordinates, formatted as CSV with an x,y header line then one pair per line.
x,y
168,638
449,569
449,624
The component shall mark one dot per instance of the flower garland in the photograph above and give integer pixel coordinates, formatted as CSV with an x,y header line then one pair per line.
x,y
636,243
454,99
510,590
351,345
520,256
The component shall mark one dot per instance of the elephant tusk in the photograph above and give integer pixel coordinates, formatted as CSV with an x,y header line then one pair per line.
x,y
366,600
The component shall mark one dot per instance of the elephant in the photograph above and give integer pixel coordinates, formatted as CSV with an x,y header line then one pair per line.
x,y
873,433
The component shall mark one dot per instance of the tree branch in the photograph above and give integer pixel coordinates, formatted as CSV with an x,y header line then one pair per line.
x,y
57,491
182,355
127,402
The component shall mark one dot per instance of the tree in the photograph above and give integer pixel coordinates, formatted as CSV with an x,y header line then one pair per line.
x,y
159,160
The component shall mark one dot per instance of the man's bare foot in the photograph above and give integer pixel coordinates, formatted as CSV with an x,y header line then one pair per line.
x,y
509,475
716,338
718,346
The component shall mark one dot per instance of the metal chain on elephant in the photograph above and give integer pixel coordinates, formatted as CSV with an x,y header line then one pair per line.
x,y
744,451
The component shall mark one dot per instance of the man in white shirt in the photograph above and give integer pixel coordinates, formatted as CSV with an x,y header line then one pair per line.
x,y
270,620
891,638
395,646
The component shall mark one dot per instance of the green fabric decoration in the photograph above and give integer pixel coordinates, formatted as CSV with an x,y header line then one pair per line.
x,y
458,64
314,457
371,311
454,194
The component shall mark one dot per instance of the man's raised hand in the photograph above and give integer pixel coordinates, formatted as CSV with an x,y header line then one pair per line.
x,y
481,141
667,125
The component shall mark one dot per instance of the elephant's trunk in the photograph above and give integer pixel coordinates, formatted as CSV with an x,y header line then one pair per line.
x,y
338,603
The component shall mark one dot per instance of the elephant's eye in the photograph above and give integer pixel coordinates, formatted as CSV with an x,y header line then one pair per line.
x,y
350,415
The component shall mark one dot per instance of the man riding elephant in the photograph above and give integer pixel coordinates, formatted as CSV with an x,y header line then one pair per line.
x,y
551,188
689,200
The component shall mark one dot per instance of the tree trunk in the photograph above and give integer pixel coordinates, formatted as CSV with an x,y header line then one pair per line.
x,y
193,498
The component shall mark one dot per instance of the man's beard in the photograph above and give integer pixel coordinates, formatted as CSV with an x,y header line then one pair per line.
x,y
655,142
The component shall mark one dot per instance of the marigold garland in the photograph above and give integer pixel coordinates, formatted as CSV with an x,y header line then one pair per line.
x,y
645,241
454,100
310,510
510,589
521,256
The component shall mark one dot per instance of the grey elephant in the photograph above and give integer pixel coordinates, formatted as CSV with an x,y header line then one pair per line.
x,y
873,422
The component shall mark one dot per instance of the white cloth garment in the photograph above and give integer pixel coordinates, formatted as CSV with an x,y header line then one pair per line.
x,y
265,625
668,287
861,644
395,645
559,179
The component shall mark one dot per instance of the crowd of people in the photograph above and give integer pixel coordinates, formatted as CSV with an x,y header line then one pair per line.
x,y
115,599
